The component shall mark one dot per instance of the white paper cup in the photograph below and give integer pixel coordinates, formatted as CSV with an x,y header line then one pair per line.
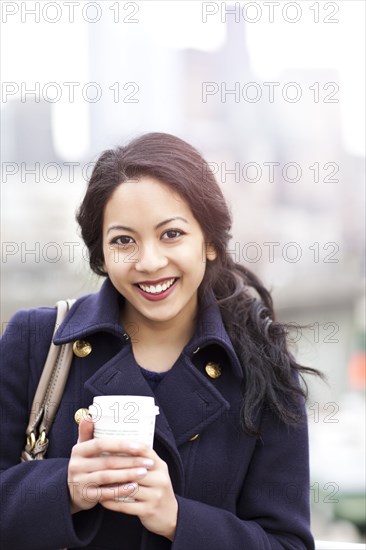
x,y
124,416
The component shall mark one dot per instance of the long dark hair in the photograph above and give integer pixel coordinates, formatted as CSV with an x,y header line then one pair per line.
x,y
270,370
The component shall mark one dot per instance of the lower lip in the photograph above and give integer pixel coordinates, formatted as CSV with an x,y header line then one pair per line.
x,y
157,297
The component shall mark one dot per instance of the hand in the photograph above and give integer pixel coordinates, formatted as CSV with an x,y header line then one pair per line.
x,y
94,477
154,500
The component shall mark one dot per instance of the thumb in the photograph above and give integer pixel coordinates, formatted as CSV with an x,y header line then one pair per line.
x,y
86,429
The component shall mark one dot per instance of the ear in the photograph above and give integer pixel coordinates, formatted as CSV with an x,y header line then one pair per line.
x,y
211,253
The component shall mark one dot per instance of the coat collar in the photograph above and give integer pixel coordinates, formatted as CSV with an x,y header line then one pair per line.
x,y
100,312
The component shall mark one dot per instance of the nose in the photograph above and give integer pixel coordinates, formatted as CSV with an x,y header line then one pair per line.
x,y
150,258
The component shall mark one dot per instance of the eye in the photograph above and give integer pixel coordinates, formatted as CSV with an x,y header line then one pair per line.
x,y
122,240
172,234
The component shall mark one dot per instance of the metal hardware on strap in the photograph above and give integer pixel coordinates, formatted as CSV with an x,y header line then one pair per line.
x,y
31,441
49,391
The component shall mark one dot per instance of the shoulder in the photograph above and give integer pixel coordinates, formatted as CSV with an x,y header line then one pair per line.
x,y
36,326
34,321
29,322
26,339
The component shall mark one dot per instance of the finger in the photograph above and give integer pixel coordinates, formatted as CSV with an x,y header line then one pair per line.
x,y
113,462
109,445
131,508
125,492
86,430
104,478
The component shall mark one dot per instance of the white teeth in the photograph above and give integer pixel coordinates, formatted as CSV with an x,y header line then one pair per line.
x,y
151,289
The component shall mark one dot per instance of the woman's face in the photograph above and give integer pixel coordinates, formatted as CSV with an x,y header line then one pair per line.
x,y
154,251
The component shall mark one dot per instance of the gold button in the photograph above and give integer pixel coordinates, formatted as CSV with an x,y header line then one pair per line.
x,y
213,370
194,437
80,415
81,348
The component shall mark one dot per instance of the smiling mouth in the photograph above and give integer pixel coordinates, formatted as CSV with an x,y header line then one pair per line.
x,y
158,288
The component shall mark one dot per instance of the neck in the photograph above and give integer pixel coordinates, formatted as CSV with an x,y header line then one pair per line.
x,y
158,344
176,332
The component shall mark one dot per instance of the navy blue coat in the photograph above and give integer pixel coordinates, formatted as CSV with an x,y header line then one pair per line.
x,y
234,491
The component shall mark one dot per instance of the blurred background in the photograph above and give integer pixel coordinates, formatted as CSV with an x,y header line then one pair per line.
x,y
271,93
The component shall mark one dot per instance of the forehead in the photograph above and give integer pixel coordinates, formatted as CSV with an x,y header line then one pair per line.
x,y
145,185
145,198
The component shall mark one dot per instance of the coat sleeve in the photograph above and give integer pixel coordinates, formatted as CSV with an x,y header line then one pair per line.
x,y
34,496
273,507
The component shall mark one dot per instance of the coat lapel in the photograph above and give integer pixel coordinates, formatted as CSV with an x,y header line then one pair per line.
x,y
190,402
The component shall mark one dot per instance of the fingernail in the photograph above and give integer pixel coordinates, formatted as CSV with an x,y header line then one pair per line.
x,y
134,446
148,462
141,471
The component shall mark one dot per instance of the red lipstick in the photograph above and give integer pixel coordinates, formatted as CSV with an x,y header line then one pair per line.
x,y
159,296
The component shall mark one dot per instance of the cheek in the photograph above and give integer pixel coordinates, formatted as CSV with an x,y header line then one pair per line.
x,y
120,261
193,260
111,257
194,252
107,253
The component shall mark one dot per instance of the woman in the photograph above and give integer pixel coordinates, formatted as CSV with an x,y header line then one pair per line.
x,y
176,319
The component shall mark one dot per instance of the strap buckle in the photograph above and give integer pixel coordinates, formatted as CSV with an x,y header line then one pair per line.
x,y
31,441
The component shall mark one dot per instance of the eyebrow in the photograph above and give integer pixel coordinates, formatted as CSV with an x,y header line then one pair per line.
x,y
131,230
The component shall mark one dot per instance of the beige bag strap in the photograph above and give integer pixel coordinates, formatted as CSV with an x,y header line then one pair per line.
x,y
49,391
